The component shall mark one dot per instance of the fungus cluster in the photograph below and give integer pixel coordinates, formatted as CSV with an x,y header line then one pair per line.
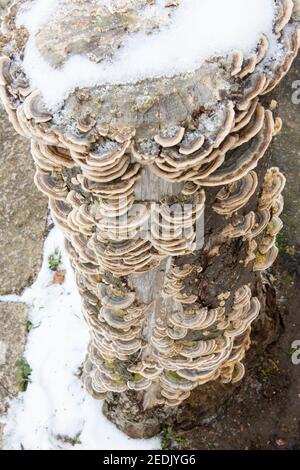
x,y
195,344
191,132
270,206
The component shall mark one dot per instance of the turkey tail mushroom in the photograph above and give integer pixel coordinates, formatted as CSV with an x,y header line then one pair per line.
x,y
132,169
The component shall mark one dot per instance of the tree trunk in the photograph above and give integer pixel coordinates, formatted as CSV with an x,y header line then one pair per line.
x,y
168,207
220,267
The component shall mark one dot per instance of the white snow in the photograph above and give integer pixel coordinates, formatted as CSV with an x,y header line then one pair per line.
x,y
55,403
196,30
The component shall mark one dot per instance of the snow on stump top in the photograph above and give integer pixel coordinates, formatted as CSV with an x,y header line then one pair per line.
x,y
149,67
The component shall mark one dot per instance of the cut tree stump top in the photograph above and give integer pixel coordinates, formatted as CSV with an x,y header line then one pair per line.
x,y
148,106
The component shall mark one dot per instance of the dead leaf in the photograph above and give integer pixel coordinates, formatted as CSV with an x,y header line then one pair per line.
x,y
280,442
59,277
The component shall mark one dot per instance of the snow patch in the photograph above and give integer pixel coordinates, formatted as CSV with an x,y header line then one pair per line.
x,y
55,409
196,30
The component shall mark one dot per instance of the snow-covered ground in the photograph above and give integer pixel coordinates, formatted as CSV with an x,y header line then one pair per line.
x,y
55,409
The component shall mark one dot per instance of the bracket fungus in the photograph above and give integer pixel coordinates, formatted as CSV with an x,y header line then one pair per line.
x,y
132,165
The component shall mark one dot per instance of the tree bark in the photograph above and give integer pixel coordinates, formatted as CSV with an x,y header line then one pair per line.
x,y
225,272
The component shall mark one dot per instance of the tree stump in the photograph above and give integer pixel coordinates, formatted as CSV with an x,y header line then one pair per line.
x,y
169,210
